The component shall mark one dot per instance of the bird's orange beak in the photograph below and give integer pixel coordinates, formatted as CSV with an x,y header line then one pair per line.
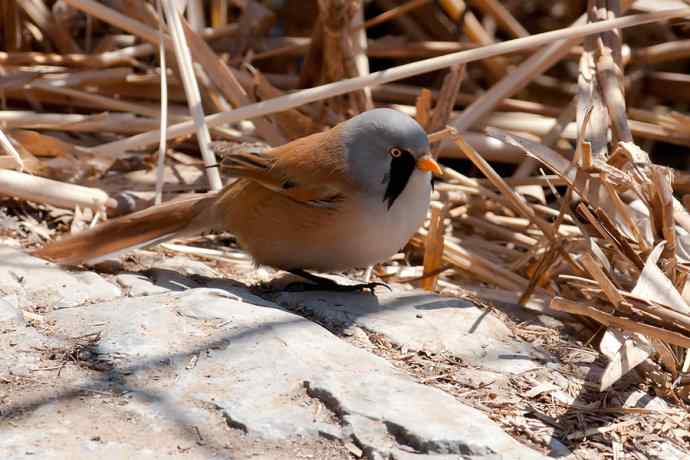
x,y
427,163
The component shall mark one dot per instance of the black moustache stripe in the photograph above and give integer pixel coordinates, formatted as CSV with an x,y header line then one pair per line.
x,y
402,168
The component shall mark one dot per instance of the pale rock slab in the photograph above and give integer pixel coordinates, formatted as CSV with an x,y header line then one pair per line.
x,y
40,284
421,321
236,367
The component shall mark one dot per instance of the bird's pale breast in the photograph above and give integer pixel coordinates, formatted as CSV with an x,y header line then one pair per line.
x,y
360,231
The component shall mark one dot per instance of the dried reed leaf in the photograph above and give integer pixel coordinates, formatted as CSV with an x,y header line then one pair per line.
x,y
625,352
654,285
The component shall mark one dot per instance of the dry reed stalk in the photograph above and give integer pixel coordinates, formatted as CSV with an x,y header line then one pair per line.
x,y
107,103
407,94
394,12
502,15
117,19
478,266
663,313
59,194
536,64
42,145
492,149
433,246
422,111
531,180
661,180
298,46
672,51
610,77
43,18
294,123
472,28
516,202
446,100
162,144
117,123
196,15
473,186
492,230
340,53
386,48
442,134
577,308
540,126
358,38
121,56
191,87
591,117
219,12
83,77
608,231
6,144
527,167
224,78
625,214
396,73
541,275
411,28
604,281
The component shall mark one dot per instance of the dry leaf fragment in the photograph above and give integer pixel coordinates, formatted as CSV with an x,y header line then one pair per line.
x,y
633,349
655,286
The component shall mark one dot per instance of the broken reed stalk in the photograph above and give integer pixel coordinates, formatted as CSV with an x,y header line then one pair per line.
x,y
392,13
11,151
160,164
433,246
518,78
386,76
48,191
191,87
607,319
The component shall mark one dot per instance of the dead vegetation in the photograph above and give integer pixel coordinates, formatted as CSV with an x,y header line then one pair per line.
x,y
565,188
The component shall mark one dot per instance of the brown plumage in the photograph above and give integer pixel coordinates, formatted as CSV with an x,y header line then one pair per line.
x,y
329,201
139,229
283,176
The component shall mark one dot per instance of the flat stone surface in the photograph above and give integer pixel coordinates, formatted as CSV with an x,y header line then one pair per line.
x,y
177,361
212,373
39,284
418,320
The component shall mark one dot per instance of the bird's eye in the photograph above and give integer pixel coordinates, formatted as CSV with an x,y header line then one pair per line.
x,y
395,152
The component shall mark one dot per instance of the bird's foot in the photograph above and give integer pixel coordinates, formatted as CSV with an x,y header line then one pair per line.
x,y
335,287
319,283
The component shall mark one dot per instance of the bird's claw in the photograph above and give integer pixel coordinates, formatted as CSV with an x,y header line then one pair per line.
x,y
335,287
366,286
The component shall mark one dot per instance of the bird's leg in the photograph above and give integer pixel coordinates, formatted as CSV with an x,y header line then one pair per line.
x,y
320,283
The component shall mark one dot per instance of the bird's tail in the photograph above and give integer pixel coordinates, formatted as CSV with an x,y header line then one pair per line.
x,y
140,229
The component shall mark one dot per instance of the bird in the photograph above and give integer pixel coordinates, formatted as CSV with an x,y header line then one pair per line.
x,y
347,197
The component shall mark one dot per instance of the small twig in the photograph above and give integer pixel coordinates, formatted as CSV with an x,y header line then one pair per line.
x,y
191,87
9,148
160,167
433,245
60,194
442,134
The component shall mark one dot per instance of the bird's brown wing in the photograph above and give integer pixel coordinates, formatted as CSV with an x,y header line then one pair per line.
x,y
310,169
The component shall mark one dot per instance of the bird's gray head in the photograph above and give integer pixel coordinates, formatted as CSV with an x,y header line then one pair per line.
x,y
384,148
